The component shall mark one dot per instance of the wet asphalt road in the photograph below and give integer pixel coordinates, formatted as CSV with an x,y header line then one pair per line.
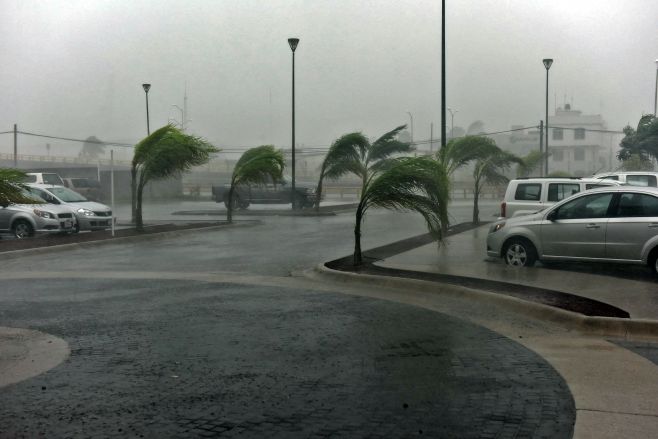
x,y
168,358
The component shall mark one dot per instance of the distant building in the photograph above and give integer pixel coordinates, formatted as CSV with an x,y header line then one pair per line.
x,y
576,144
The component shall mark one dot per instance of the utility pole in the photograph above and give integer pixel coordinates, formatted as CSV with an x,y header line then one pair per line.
x,y
15,146
541,146
443,73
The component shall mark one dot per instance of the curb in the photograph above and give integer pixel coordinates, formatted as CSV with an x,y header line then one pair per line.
x,y
14,254
600,326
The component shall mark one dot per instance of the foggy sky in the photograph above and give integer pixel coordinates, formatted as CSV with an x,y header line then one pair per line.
x,y
74,68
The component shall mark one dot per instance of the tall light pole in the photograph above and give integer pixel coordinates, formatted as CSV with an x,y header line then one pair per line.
x,y
547,63
146,88
655,95
452,121
293,42
443,73
411,119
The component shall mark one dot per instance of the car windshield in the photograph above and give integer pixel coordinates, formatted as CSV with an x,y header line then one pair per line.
x,y
66,195
32,195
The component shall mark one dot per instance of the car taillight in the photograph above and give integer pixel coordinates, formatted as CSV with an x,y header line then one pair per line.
x,y
503,206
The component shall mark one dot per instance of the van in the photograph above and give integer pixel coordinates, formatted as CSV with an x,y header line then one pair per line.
x,y
87,187
529,195
43,178
638,178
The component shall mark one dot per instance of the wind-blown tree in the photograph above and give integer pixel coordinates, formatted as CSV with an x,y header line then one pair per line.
x,y
167,152
92,148
256,166
489,169
417,184
641,142
11,187
530,163
353,153
460,152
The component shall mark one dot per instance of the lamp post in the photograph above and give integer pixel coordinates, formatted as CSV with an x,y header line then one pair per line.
x,y
443,73
146,88
547,63
655,95
293,42
411,119
452,121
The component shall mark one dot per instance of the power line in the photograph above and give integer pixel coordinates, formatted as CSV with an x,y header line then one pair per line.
x,y
98,142
589,130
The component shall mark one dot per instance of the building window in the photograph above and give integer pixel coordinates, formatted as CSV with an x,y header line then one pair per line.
x,y
558,156
579,154
557,134
579,134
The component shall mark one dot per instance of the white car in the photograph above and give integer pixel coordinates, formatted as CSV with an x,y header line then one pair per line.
x,y
90,214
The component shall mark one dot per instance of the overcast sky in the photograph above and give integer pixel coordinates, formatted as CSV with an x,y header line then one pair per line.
x,y
75,68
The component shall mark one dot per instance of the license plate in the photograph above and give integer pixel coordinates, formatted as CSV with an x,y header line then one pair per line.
x,y
67,224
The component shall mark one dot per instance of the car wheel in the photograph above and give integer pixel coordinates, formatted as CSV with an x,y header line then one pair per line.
x,y
22,229
242,204
653,260
520,253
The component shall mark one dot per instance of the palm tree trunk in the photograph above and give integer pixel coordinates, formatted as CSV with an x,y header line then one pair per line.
x,y
133,193
357,259
139,223
229,208
476,210
318,195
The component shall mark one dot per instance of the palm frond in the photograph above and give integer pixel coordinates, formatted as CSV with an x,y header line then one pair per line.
x,y
12,188
387,145
258,166
461,151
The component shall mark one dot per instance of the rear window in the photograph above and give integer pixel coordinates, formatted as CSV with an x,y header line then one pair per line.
x,y
80,182
589,186
528,192
641,180
560,191
51,179
30,179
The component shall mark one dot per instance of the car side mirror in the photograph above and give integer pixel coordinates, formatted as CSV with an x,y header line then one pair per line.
x,y
552,216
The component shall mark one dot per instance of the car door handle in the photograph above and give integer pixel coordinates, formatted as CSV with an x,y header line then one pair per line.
x,y
592,226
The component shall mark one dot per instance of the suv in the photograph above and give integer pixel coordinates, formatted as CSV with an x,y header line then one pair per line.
x,y
529,195
23,220
616,224
90,214
638,178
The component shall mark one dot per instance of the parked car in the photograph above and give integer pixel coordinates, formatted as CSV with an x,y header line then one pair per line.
x,y
615,224
90,215
638,178
87,187
23,220
271,193
529,195
43,178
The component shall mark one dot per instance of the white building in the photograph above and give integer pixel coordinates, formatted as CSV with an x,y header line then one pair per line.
x,y
577,144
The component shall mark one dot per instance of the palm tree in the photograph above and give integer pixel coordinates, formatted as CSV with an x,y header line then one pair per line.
x,y
530,163
165,153
353,153
460,152
256,166
489,168
418,184
12,187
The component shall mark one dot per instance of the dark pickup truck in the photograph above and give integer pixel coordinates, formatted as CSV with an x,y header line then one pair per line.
x,y
279,193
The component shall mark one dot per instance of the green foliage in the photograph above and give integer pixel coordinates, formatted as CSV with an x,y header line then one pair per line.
x,y
92,148
641,142
256,166
12,187
353,153
635,162
530,163
167,152
461,151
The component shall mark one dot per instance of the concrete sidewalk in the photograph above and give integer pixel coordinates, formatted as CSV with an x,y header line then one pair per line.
x,y
464,255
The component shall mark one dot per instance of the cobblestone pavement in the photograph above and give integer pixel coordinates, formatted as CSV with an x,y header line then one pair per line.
x,y
190,359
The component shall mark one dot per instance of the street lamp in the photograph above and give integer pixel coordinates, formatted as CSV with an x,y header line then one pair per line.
x,y
146,88
411,118
655,95
293,45
452,121
443,73
547,63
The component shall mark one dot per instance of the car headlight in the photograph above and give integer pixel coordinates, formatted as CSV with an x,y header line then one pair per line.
x,y
85,212
43,214
496,227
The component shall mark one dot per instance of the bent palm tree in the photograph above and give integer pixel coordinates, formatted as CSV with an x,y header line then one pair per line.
x,y
11,187
530,163
256,166
353,153
165,153
489,169
418,184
